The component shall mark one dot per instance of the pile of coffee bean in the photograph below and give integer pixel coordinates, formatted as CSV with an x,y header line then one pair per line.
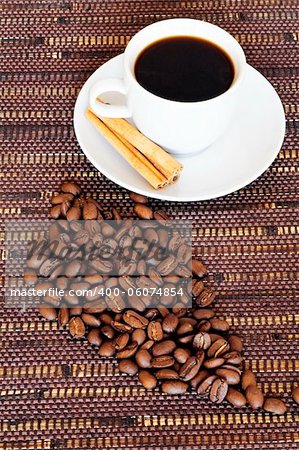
x,y
178,349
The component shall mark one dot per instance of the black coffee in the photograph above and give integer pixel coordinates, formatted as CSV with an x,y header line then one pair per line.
x,y
184,69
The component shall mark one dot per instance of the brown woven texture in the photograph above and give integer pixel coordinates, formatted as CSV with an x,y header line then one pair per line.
x,y
55,393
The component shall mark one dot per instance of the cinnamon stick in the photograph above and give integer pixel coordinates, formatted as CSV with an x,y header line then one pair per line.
x,y
136,159
162,160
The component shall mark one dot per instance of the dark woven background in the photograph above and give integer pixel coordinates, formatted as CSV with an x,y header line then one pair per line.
x,y
55,393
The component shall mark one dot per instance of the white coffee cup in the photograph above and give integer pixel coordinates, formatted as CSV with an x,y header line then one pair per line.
x,y
182,128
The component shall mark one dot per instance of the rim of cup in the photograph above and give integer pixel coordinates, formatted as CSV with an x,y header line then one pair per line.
x,y
129,65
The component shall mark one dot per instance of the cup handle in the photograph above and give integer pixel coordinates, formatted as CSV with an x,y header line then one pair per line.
x,y
102,109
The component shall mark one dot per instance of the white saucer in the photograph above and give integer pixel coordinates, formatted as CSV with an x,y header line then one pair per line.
x,y
239,157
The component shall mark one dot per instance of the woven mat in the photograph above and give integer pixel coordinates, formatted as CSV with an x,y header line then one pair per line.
x,y
56,393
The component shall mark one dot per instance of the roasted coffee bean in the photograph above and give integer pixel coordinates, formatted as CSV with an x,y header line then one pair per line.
x,y
235,398
97,240
116,214
218,348
127,267
128,366
164,312
70,299
62,283
74,213
174,387
90,320
154,331
71,188
163,348
213,363
143,212
254,396
73,268
80,286
147,345
201,376
141,267
219,325
135,320
275,406
143,358
60,198
59,247
190,368
205,298
102,266
218,390
94,337
161,362
189,320
295,394
107,230
121,327
161,217
90,211
155,276
186,339
147,379
74,226
107,349
77,327
52,300
139,336
236,343
105,318
108,331
30,277
198,268
151,236
56,272
138,198
128,351
167,266
151,314
204,326
214,337
197,288
76,311
170,323
248,379
54,231
167,374
202,341
233,358
43,286
148,334
55,212
48,266
184,328
81,237
95,307
79,202
204,387
65,206
48,313
175,242
121,341
230,375
200,356
180,311
181,355
63,317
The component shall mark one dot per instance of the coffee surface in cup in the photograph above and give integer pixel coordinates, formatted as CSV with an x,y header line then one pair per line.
x,y
184,69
